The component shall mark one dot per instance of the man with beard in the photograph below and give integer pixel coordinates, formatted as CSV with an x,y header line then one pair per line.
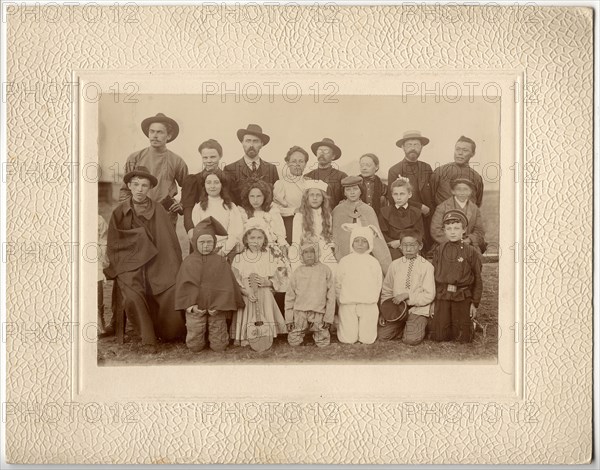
x,y
419,174
250,165
442,177
326,152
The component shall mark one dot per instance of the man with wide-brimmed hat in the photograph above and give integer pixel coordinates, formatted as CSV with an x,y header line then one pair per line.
x,y
169,168
418,173
144,256
442,177
250,165
327,152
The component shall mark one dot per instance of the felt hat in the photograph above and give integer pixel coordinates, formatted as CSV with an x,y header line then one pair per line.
x,y
209,226
337,152
466,181
455,215
142,172
392,312
253,129
408,135
315,184
351,181
160,117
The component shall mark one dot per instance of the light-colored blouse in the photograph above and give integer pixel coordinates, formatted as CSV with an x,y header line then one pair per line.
x,y
230,219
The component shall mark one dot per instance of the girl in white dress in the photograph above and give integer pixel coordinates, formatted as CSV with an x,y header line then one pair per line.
x,y
215,201
313,220
253,262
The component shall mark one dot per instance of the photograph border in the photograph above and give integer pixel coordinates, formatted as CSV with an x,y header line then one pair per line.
x,y
550,424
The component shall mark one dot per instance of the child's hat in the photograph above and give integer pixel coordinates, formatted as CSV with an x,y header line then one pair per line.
x,y
209,226
391,312
455,215
351,181
255,222
310,243
466,181
315,184
368,232
141,172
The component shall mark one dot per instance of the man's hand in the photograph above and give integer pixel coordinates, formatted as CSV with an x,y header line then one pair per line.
x,y
425,210
400,298
473,312
176,207
394,244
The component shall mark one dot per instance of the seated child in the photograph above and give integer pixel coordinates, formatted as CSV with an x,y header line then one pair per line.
x,y
458,282
255,262
310,298
462,188
409,280
358,284
400,216
207,289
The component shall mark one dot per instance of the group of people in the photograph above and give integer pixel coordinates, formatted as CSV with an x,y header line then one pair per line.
x,y
295,255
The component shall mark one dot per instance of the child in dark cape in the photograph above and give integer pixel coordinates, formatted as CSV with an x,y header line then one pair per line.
x,y
207,290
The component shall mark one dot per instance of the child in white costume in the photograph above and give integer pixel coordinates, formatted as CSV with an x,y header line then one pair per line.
x,y
358,283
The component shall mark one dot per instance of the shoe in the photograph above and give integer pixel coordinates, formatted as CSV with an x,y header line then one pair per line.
x,y
108,331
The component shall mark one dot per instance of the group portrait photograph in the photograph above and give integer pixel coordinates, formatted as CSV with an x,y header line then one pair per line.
x,y
354,229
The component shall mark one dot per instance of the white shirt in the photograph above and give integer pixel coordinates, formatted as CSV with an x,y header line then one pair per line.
x,y
249,162
230,219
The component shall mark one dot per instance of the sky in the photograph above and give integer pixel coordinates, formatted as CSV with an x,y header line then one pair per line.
x,y
358,124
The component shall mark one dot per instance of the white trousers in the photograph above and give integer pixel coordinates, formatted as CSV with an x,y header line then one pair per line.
x,y
358,322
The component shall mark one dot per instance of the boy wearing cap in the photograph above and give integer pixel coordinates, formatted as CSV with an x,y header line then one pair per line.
x,y
144,257
310,298
327,152
357,285
206,289
462,189
407,293
458,282
395,219
169,168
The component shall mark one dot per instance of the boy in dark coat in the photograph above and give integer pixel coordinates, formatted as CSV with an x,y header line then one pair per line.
x,y
400,216
144,256
206,289
458,282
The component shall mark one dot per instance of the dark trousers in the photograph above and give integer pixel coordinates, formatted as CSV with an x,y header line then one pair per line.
x,y
152,315
452,321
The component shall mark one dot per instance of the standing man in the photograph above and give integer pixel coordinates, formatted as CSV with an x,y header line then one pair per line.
x,y
419,174
327,152
441,180
250,165
168,167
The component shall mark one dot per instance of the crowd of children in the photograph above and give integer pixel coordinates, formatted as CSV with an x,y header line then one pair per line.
x,y
360,269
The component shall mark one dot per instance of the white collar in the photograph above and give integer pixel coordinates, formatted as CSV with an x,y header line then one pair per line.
x,y
461,204
249,162
404,206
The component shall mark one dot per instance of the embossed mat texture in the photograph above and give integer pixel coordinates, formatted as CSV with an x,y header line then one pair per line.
x,y
552,47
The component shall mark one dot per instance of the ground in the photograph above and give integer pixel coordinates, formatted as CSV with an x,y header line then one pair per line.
x,y
484,347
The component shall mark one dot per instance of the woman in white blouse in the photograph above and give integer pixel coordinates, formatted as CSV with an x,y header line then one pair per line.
x,y
288,191
215,201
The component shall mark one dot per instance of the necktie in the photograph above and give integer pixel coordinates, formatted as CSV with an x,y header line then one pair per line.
x,y
411,262
253,167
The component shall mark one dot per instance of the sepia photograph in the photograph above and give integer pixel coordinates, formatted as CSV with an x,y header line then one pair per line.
x,y
292,227
280,233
